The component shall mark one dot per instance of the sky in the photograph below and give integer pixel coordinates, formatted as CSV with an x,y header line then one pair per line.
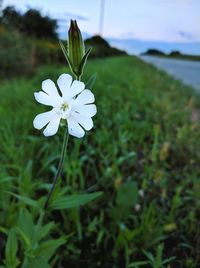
x,y
154,21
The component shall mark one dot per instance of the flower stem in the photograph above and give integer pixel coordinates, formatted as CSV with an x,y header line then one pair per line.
x,y
60,168
78,77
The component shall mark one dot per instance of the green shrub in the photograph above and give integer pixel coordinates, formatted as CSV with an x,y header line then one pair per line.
x,y
101,48
21,55
15,56
47,51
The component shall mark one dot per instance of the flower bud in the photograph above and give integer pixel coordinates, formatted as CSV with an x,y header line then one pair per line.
x,y
76,47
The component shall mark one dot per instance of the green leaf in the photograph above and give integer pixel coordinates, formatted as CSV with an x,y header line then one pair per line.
x,y
127,194
74,200
67,57
36,262
48,248
43,231
26,224
166,261
158,259
149,256
7,179
3,230
24,238
26,200
11,249
128,156
83,61
90,83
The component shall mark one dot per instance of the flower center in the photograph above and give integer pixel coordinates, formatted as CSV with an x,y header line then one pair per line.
x,y
64,107
64,110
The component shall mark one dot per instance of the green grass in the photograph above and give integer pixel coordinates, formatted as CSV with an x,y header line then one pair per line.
x,y
146,136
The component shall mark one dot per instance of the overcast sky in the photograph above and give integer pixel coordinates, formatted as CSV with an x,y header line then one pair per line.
x,y
161,20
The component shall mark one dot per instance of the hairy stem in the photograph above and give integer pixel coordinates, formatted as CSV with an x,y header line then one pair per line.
x,y
60,168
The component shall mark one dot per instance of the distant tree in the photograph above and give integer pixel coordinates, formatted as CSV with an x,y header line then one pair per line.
x,y
153,51
97,40
101,48
34,24
175,53
1,11
11,18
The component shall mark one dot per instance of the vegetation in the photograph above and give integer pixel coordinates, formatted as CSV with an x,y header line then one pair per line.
x,y
31,23
174,54
154,52
101,48
143,155
28,53
29,40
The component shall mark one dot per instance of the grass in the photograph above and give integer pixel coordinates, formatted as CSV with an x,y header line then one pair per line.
x,y
146,137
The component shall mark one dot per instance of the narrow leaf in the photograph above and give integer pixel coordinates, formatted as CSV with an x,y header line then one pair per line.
x,y
36,262
24,238
74,200
11,249
48,248
26,200
4,180
90,83
127,194
67,57
26,223
43,231
84,60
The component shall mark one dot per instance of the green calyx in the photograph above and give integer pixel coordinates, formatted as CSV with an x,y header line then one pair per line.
x,y
76,55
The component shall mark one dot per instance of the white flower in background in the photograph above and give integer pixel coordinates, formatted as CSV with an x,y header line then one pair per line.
x,y
74,104
137,207
141,193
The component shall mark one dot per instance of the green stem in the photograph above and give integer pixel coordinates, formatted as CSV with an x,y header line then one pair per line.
x,y
78,77
60,167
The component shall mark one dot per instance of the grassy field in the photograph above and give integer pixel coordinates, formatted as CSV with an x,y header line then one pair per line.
x,y
143,154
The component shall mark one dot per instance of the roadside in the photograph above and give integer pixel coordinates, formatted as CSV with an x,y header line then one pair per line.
x,y
186,71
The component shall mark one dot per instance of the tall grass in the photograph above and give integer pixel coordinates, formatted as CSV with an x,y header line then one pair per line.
x,y
146,136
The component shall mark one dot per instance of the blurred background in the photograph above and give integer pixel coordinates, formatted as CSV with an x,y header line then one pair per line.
x,y
143,153
163,28
133,26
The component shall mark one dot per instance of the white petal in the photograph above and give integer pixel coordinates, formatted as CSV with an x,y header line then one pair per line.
x,y
75,129
88,110
49,87
64,82
84,121
76,88
85,97
43,119
43,98
52,127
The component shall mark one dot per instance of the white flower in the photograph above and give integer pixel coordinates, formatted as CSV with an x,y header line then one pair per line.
x,y
137,207
74,104
141,193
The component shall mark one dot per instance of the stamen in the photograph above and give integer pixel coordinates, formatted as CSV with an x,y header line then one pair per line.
x,y
64,107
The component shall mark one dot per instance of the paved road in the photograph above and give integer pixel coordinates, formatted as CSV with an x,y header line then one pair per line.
x,y
184,70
